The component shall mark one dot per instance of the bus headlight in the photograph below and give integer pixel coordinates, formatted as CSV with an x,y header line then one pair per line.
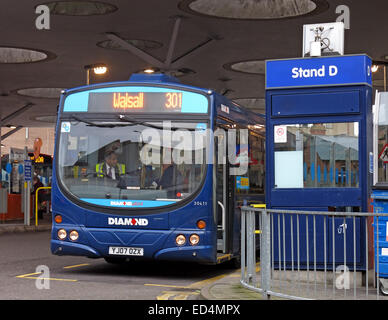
x,y
62,234
180,240
194,239
73,235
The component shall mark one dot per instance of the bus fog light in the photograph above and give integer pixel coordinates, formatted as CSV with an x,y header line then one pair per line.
x,y
194,239
73,235
62,234
180,240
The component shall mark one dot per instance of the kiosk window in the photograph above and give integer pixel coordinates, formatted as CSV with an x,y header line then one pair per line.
x,y
319,155
382,142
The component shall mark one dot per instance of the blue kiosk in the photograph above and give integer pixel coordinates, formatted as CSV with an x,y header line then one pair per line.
x,y
318,150
380,189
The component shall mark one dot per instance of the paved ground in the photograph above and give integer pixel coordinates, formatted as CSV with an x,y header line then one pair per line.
x,y
21,254
25,257
230,288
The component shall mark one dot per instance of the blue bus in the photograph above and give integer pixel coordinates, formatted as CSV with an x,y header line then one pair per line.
x,y
127,186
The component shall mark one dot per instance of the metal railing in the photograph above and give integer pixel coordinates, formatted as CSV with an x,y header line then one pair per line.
x,y
310,254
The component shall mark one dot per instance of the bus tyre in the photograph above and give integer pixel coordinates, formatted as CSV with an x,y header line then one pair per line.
x,y
115,260
235,263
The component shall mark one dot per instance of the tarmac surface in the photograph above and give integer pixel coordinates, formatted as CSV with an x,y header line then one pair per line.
x,y
227,286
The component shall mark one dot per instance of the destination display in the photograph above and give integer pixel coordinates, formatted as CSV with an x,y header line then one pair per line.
x,y
136,99
135,102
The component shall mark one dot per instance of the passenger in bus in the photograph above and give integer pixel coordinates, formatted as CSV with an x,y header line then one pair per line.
x,y
110,168
171,180
150,179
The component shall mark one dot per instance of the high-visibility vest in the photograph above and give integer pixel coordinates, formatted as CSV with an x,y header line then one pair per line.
x,y
100,166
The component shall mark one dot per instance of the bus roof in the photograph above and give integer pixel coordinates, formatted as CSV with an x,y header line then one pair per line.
x,y
141,79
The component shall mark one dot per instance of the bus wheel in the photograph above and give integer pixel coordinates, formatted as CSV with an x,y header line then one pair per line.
x,y
235,263
115,260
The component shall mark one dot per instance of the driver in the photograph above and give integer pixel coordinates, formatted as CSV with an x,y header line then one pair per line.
x,y
110,168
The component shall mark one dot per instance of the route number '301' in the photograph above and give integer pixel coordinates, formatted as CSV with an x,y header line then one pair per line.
x,y
174,100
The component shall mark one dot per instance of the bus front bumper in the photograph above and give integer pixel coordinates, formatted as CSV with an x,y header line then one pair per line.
x,y
195,253
156,245
64,248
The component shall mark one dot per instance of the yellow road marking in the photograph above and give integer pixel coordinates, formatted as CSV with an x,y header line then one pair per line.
x,y
28,274
201,284
176,295
237,273
53,279
196,285
183,296
164,285
165,295
76,266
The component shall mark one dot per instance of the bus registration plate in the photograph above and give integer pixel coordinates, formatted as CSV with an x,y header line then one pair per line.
x,y
126,251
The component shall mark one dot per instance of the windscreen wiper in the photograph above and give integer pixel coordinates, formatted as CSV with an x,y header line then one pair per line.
x,y
122,117
93,124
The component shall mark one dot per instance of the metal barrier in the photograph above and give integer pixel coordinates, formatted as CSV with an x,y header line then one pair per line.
x,y
284,274
36,202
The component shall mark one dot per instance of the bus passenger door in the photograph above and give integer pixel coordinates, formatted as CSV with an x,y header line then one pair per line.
x,y
220,192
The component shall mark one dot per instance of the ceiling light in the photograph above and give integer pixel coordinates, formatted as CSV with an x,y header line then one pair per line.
x,y
21,55
100,70
46,118
138,43
254,9
375,67
50,93
251,66
80,8
149,70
